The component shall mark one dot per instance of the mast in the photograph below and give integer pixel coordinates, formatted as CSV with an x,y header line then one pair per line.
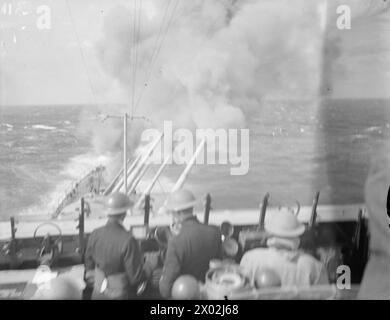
x,y
125,151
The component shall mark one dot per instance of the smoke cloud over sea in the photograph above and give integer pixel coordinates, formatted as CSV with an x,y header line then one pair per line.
x,y
205,64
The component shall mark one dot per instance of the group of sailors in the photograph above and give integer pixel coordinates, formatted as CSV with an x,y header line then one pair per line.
x,y
116,268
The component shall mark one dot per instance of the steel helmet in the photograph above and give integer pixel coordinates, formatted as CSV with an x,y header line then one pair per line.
x,y
117,203
186,287
267,278
284,224
60,288
180,200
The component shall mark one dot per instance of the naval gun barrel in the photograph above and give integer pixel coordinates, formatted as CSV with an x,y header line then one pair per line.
x,y
138,178
180,182
184,175
140,169
140,163
129,171
119,177
149,188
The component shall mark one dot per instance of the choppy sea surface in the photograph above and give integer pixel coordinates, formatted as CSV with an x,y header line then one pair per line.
x,y
295,149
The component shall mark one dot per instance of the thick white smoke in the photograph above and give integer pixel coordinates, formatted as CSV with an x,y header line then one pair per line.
x,y
217,59
206,64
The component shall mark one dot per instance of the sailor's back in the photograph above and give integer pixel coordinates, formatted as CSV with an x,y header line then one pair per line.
x,y
109,245
293,268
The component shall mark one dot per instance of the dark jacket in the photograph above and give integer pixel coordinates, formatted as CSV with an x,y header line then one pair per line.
x,y
190,253
113,250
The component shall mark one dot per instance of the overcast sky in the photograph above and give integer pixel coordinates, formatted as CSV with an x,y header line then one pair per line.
x,y
47,66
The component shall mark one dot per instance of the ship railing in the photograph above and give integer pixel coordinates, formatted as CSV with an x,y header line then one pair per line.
x,y
89,182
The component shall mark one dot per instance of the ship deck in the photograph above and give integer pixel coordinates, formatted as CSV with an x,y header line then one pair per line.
x,y
68,222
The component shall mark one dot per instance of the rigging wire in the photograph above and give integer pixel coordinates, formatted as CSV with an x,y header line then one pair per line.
x,y
93,92
159,42
155,46
157,52
133,65
166,32
137,41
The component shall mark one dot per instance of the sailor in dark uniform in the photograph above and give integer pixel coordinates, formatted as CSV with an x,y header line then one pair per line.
x,y
190,251
113,261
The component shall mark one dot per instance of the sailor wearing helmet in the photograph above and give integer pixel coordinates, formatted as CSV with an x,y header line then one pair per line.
x,y
293,267
113,261
189,252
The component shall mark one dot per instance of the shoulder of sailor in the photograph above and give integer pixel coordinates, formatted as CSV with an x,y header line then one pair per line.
x,y
178,242
257,253
98,231
195,226
213,229
309,260
129,241
94,234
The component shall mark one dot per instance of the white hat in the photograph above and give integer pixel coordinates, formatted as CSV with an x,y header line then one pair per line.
x,y
284,224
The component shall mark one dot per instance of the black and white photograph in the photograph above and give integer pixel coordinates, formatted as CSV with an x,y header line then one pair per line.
x,y
216,151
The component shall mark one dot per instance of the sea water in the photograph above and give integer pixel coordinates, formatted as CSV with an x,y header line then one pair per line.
x,y
295,150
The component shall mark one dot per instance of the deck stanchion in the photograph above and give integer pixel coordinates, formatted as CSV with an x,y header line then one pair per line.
x,y
358,231
263,211
207,209
313,216
81,230
12,245
147,210
310,237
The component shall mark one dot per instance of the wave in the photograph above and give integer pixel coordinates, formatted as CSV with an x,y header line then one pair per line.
x,y
359,137
31,138
77,168
43,127
81,165
8,126
48,202
373,129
